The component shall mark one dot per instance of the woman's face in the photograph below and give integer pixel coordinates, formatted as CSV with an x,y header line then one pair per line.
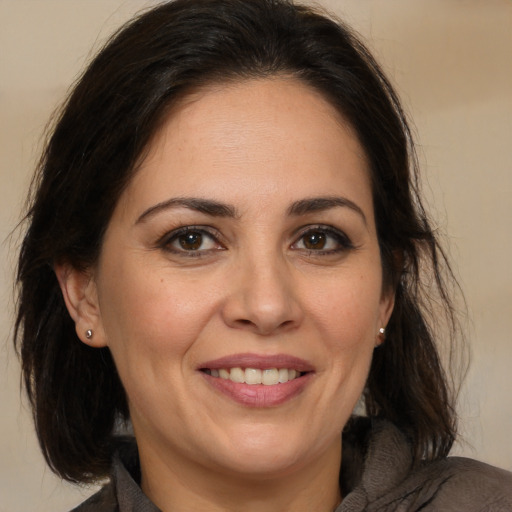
x,y
239,286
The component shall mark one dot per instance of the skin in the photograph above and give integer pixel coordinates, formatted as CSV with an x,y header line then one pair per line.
x,y
256,284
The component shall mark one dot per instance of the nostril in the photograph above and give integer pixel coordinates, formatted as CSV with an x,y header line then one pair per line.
x,y
244,323
260,327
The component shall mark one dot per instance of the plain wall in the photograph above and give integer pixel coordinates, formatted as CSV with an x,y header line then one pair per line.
x,y
451,62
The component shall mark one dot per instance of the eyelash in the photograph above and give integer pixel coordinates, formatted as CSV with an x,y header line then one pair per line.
x,y
166,241
341,239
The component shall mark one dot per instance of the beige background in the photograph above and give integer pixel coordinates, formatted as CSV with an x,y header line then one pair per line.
x,y
452,63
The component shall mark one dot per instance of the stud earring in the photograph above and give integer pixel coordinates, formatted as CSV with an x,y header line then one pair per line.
x,y
88,334
380,337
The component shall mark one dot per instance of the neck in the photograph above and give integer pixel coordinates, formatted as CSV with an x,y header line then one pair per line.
x,y
176,485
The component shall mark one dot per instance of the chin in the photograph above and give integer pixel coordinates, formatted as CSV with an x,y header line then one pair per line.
x,y
267,452
264,465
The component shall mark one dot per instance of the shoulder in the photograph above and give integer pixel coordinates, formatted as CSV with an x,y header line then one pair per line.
x,y
103,501
122,493
469,485
378,475
454,484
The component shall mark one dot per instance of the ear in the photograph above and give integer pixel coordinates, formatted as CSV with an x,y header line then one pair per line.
x,y
387,303
78,288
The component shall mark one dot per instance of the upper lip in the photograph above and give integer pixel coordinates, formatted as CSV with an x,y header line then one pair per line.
x,y
263,362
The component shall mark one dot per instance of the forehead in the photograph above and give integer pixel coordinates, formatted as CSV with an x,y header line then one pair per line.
x,y
256,136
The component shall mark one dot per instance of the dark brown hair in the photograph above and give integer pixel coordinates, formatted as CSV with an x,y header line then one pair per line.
x,y
91,154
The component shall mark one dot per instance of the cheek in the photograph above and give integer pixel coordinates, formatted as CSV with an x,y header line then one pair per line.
x,y
346,316
348,310
147,312
151,328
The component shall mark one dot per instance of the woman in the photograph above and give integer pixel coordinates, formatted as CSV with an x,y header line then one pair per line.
x,y
225,251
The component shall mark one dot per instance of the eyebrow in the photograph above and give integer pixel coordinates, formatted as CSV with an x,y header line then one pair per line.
x,y
217,209
206,206
318,204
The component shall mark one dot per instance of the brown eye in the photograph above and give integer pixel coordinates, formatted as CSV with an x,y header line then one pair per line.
x,y
320,240
190,241
315,240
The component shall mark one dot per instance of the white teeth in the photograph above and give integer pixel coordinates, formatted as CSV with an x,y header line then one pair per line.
x,y
237,375
252,376
270,377
267,377
223,373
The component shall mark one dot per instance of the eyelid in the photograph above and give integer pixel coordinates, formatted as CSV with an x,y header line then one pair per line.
x,y
340,236
165,240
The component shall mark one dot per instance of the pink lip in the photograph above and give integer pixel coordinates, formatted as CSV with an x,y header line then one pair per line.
x,y
259,395
248,360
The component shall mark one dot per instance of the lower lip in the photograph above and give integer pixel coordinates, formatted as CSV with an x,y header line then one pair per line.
x,y
259,395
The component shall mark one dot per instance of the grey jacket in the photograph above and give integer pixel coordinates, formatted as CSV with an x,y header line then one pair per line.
x,y
376,476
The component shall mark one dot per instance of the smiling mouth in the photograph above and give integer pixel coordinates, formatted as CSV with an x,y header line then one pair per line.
x,y
253,376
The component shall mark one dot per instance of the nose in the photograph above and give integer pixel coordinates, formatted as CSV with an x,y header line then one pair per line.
x,y
263,297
